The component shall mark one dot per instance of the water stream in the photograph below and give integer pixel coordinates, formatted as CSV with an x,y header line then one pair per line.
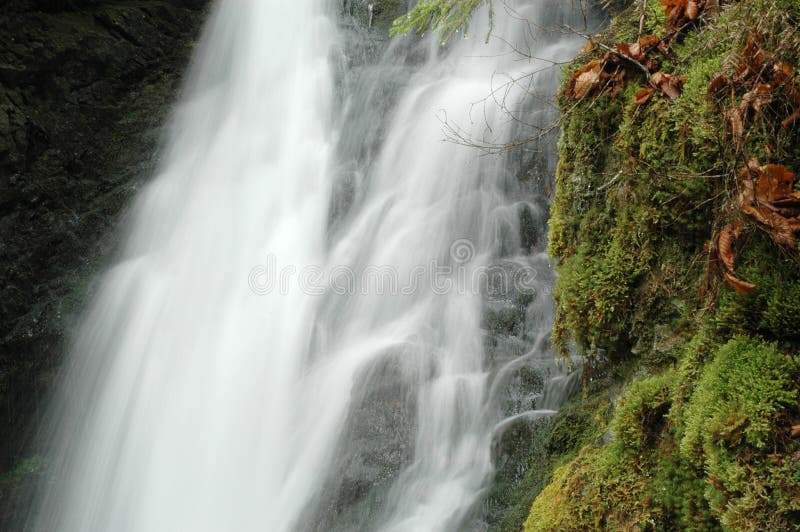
x,y
294,337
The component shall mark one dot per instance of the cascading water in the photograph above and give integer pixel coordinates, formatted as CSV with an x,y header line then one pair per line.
x,y
292,338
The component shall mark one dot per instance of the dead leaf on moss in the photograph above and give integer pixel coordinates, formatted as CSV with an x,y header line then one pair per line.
x,y
585,80
757,98
796,431
679,12
782,72
643,95
669,85
775,182
718,82
674,8
597,77
790,202
724,248
763,190
736,121
638,51
743,287
752,62
692,10
727,237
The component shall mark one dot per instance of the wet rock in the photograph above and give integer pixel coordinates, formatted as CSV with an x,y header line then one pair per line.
x,y
84,89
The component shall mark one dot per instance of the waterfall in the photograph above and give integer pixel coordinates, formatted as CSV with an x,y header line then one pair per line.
x,y
292,337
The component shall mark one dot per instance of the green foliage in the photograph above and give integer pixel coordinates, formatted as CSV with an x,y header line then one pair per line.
x,y
740,393
641,415
773,310
448,17
701,434
593,492
733,426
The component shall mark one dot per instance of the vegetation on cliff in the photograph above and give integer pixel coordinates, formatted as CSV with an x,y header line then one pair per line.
x,y
704,434
674,225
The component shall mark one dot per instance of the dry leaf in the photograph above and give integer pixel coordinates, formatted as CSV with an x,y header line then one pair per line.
x,y
643,95
667,84
692,10
757,99
782,72
752,62
775,182
718,82
761,185
743,287
680,12
585,80
674,8
791,201
736,120
791,119
727,237
639,50
780,228
795,431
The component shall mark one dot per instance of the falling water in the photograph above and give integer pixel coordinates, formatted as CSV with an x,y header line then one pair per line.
x,y
292,338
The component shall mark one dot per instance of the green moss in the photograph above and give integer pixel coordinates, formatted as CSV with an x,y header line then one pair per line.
x,y
773,309
592,493
700,438
640,416
733,425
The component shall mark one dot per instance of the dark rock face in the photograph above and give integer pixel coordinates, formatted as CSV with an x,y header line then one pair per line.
x,y
84,87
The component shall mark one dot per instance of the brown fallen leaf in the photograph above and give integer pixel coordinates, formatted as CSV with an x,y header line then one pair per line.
x,y
782,72
791,201
718,82
727,237
752,62
770,181
643,95
743,287
638,50
780,228
775,182
585,80
674,8
757,98
736,121
679,12
795,431
692,10
791,119
669,85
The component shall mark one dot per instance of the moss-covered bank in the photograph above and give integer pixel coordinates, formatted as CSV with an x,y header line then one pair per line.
x,y
701,435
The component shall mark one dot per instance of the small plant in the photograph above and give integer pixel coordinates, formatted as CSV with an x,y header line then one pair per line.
x,y
448,17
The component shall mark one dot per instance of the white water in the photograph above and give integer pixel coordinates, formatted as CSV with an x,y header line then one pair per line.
x,y
196,403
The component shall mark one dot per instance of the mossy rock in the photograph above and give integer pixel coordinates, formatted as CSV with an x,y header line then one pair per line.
x,y
700,437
